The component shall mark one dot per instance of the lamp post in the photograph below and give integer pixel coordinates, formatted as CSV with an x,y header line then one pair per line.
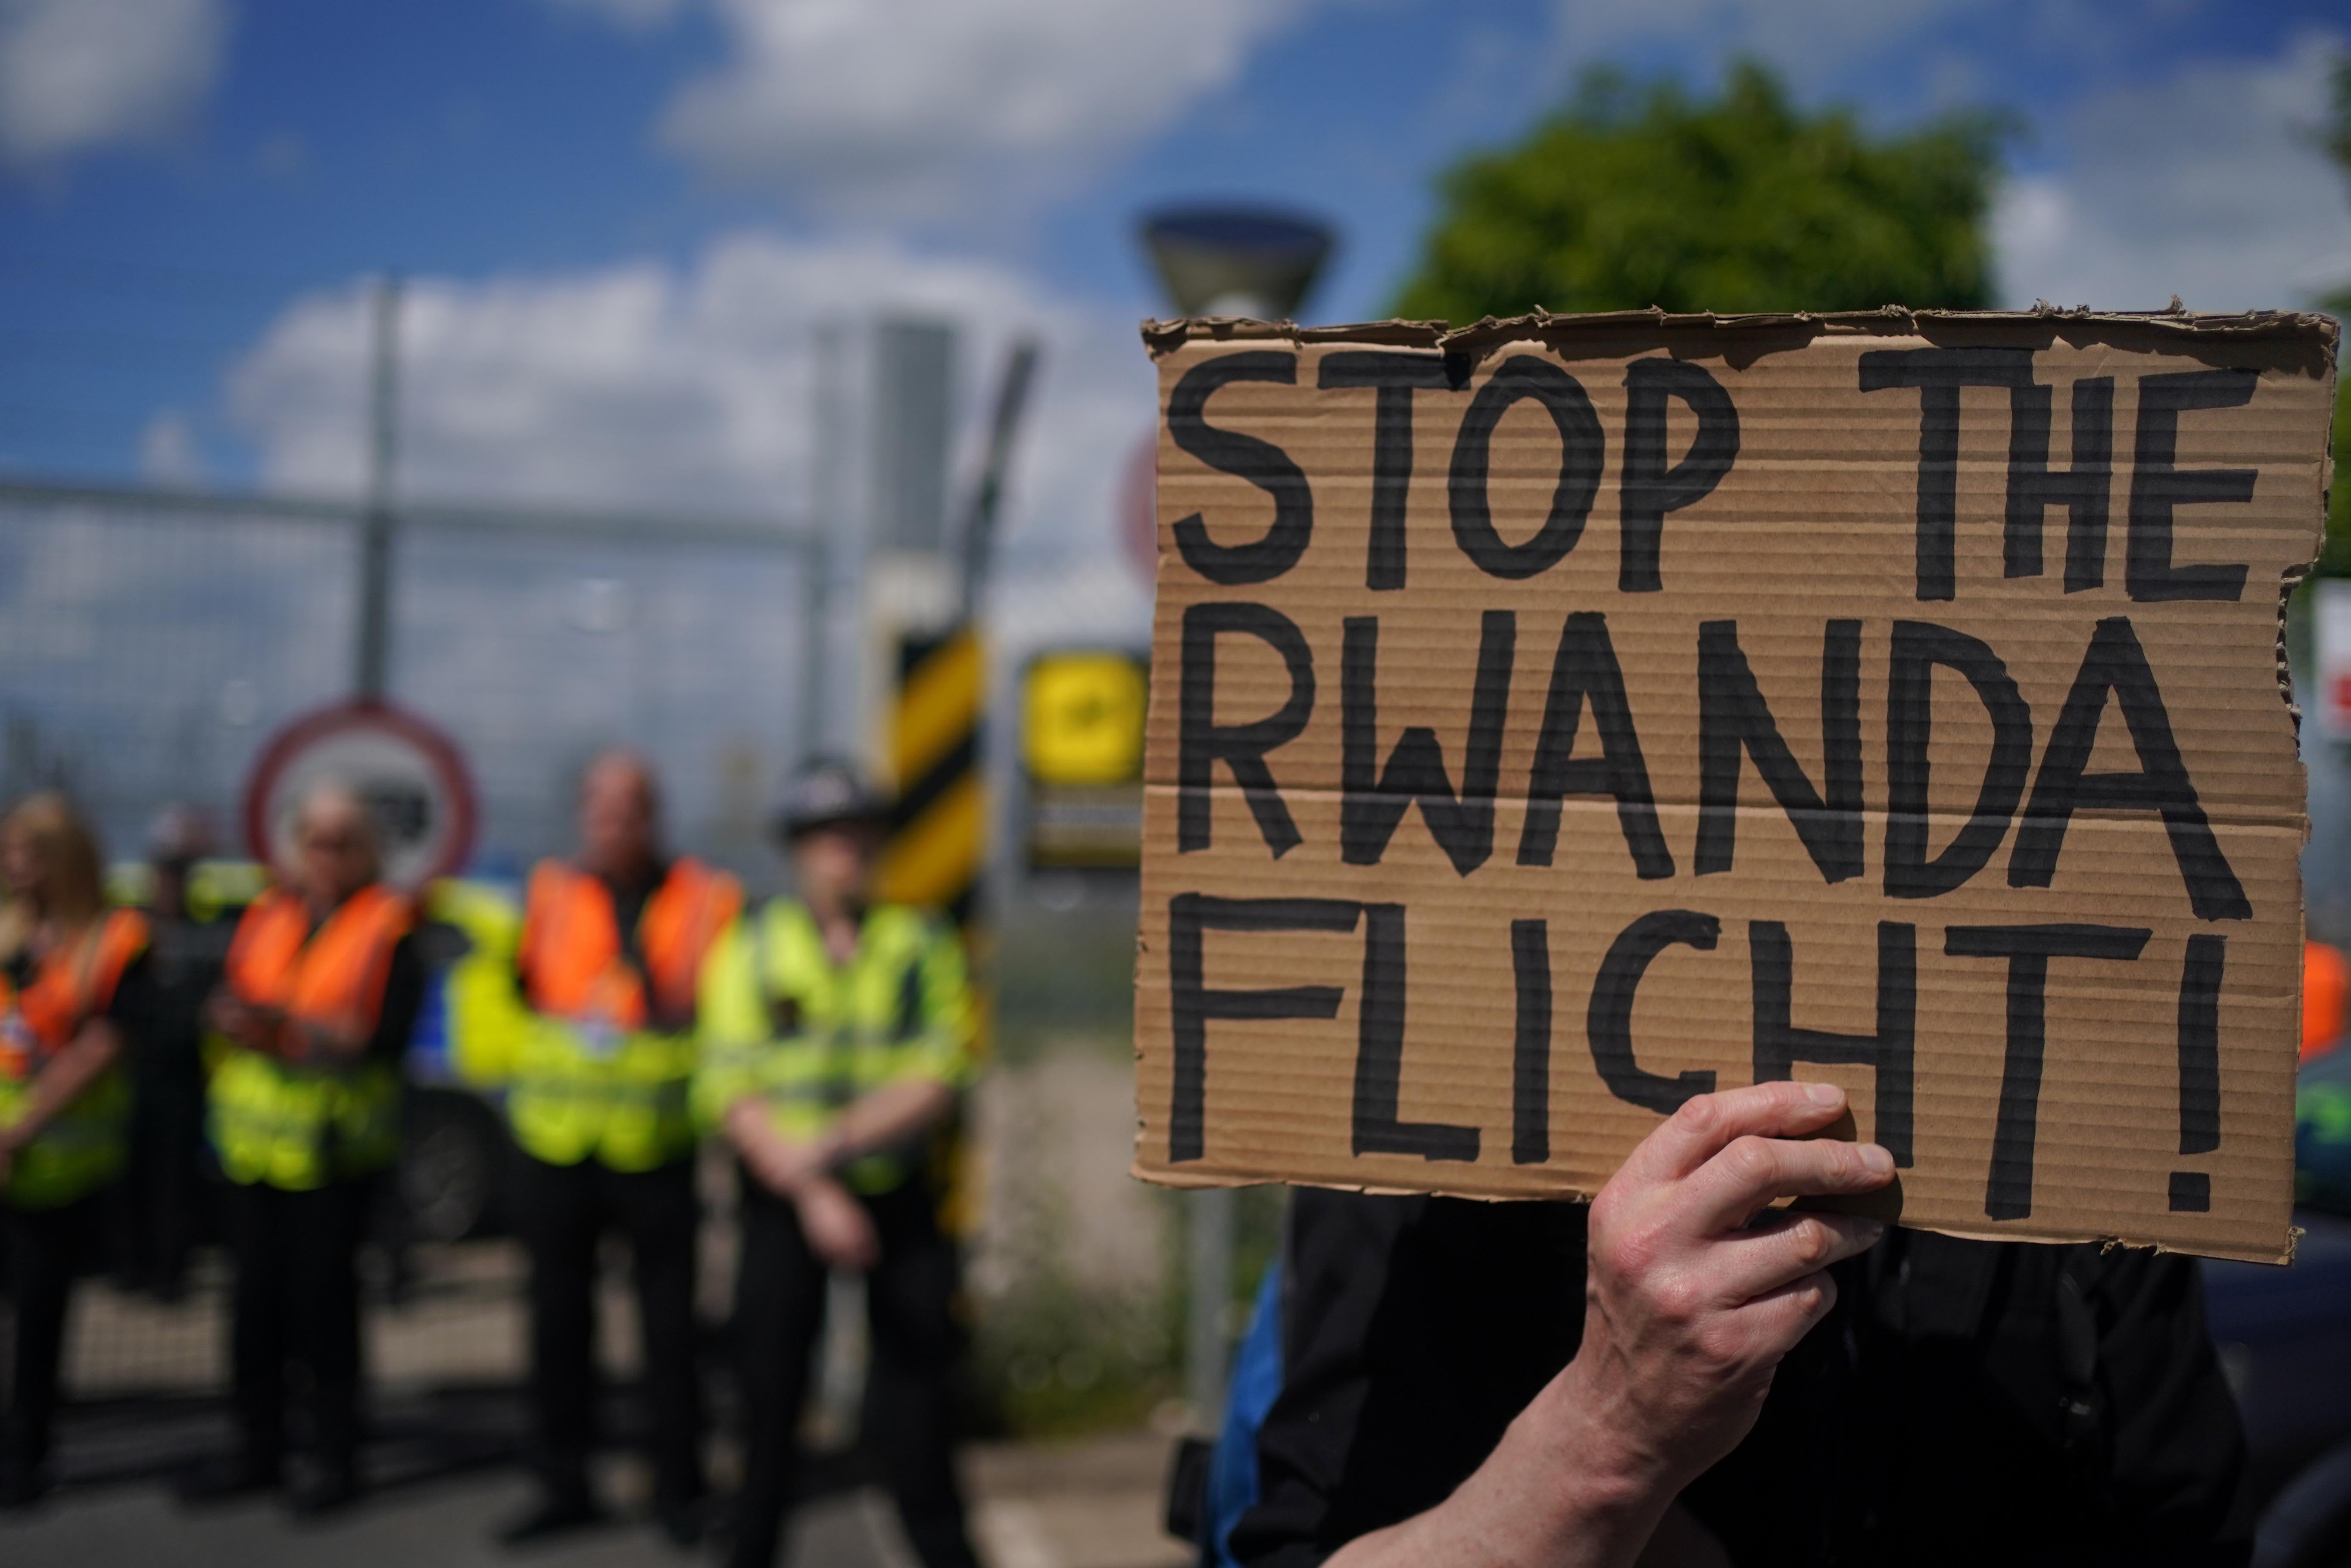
x,y
1256,262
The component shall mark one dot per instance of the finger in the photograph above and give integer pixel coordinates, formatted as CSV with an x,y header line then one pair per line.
x,y
1783,1250
1773,1322
1743,1178
1708,1124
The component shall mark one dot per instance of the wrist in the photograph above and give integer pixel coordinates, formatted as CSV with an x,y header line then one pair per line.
x,y
1610,1468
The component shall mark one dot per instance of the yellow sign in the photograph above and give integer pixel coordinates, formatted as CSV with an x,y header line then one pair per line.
x,y
1083,718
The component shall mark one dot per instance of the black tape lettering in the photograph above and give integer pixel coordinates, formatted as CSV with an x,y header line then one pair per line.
x,y
2008,1192
1608,1021
1373,801
1918,647
1530,1051
1397,376
2200,1043
1582,450
1202,743
1649,488
2158,486
1939,374
1889,1053
1586,670
2117,663
1192,1003
1379,1054
2082,490
1261,462
1733,716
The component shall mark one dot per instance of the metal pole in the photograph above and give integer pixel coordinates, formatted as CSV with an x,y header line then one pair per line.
x,y
1210,1212
825,504
988,496
372,659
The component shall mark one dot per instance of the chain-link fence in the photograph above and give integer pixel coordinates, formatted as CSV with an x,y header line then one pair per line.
x,y
150,645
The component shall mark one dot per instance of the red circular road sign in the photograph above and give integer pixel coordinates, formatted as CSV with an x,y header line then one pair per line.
x,y
410,776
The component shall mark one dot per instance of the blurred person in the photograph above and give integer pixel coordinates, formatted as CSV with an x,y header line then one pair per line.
x,y
612,948
307,1029
163,1189
2325,992
65,963
838,1042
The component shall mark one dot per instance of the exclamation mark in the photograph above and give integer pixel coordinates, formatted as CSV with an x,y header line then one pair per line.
x,y
2199,1068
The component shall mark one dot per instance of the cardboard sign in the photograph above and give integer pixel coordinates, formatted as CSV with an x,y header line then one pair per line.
x,y
1557,719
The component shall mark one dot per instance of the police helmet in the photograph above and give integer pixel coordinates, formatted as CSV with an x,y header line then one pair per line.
x,y
826,794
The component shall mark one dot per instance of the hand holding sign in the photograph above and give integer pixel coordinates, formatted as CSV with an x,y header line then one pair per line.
x,y
1689,1307
1690,1303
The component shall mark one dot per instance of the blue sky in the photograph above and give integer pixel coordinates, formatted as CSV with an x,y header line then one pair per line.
x,y
622,218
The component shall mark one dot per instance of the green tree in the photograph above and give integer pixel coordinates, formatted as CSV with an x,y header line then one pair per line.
x,y
1634,197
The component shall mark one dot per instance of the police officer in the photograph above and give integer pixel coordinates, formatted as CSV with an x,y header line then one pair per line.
x,y
65,960
307,1030
612,950
837,1042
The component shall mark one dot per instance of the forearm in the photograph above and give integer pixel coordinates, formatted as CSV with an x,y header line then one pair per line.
x,y
1560,1490
62,1081
887,1115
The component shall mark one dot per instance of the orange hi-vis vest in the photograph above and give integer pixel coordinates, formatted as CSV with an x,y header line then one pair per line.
x,y
2326,998
333,976
72,981
81,1148
297,1124
606,1068
572,956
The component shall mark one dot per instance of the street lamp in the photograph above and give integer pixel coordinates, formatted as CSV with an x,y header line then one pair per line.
x,y
1258,262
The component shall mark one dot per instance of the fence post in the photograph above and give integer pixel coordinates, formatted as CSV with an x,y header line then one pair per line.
x,y
371,658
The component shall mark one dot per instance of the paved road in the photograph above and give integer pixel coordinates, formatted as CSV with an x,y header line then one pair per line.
x,y
1092,1504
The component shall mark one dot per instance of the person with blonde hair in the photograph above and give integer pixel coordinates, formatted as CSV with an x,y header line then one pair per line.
x,y
322,987
64,959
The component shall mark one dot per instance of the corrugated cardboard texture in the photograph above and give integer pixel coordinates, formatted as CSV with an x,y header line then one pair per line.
x,y
2024,820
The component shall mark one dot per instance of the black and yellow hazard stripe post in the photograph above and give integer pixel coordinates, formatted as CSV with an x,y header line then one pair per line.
x,y
937,839
936,850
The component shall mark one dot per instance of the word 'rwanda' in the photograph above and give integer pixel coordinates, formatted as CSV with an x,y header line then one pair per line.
x,y
1736,724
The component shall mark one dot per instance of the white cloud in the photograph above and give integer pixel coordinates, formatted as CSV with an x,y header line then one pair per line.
x,y
81,74
2203,184
648,388
895,109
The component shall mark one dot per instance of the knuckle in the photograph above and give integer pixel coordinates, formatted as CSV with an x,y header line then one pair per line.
x,y
1752,1159
1720,1345
1813,1242
1700,1115
1678,1302
1603,1219
1633,1252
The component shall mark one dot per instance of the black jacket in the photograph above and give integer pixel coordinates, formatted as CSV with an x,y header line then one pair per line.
x,y
1966,1402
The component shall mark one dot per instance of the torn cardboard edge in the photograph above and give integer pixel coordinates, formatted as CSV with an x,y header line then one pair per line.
x,y
1165,336
1183,1181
